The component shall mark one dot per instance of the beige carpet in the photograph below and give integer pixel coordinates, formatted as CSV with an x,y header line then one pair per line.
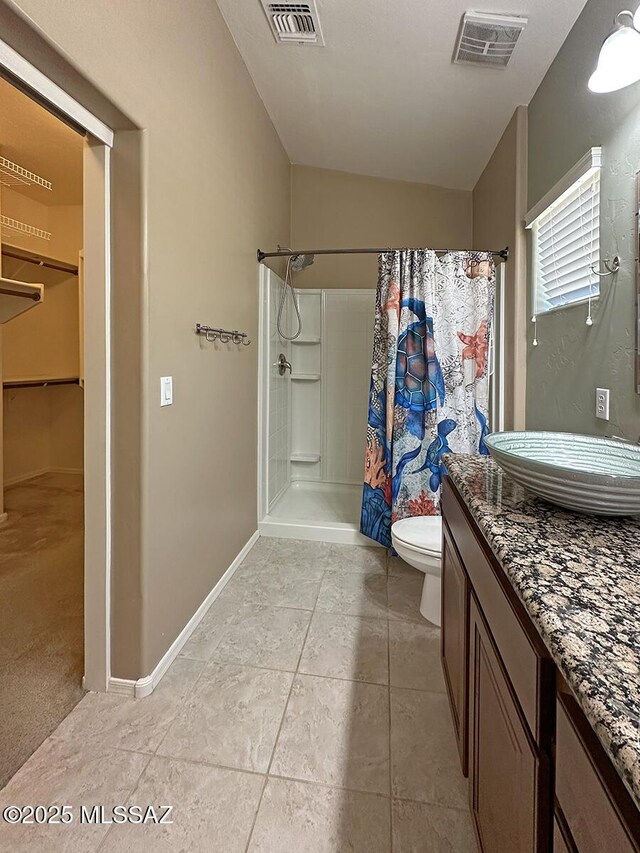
x,y
41,613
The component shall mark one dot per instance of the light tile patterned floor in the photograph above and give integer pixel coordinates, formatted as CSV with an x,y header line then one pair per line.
x,y
306,713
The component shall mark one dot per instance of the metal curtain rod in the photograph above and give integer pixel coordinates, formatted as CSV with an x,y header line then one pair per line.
x,y
287,253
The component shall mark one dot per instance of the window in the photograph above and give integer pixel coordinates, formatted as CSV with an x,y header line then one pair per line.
x,y
566,238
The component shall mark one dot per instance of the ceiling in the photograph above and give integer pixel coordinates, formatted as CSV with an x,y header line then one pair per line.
x,y
383,97
41,143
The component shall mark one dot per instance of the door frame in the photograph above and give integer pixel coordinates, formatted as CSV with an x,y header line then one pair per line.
x,y
97,357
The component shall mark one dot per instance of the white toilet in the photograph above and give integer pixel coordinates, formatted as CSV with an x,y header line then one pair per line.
x,y
418,541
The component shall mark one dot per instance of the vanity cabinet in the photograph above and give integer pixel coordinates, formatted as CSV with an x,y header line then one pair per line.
x,y
517,725
498,674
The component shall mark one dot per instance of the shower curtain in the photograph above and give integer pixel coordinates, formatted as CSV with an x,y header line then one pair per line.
x,y
429,379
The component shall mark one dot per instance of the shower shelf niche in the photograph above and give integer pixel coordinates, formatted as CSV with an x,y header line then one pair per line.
x,y
305,377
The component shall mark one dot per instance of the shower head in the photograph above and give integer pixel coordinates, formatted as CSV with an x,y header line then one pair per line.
x,y
300,262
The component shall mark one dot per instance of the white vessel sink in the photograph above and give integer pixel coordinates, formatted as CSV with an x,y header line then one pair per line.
x,y
583,473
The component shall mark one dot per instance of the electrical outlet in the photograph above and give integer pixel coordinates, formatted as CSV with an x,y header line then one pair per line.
x,y
602,403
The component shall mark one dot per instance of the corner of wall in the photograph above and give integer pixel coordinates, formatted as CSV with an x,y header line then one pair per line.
x,y
520,271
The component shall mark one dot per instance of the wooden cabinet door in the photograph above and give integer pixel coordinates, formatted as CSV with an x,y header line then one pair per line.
x,y
509,780
454,641
597,809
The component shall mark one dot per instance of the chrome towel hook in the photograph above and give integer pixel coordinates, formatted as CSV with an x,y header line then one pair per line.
x,y
611,267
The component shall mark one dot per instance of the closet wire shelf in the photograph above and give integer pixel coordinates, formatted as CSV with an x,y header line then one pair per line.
x,y
225,336
14,175
17,227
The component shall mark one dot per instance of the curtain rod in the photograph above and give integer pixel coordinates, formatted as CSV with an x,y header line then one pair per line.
x,y
287,253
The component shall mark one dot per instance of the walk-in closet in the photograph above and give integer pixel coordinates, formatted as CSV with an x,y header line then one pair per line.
x,y
41,502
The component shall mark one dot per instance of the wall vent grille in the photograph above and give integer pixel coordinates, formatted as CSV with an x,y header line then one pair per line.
x,y
294,23
487,39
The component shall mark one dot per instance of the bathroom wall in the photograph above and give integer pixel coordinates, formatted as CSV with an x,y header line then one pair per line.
x,y
215,187
565,120
340,210
499,206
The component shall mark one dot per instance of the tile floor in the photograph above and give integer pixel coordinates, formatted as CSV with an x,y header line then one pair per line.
x,y
306,713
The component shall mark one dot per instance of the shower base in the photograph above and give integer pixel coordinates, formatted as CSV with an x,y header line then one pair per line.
x,y
323,512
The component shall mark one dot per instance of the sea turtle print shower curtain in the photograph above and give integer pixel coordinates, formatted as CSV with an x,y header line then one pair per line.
x,y
429,379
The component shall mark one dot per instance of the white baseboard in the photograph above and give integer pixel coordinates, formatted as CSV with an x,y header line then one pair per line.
x,y
144,686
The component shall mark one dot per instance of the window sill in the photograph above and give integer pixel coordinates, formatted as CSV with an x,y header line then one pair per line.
x,y
575,304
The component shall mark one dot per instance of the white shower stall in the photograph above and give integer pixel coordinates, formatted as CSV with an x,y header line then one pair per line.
x,y
313,419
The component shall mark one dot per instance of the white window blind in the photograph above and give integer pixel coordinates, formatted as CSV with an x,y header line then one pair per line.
x,y
567,244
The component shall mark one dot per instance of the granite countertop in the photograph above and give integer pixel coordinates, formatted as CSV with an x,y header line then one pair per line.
x,y
578,577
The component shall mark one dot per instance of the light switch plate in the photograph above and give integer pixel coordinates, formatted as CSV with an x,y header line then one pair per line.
x,y
166,390
602,403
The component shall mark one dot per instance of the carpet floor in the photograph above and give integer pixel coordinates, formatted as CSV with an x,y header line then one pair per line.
x,y
41,613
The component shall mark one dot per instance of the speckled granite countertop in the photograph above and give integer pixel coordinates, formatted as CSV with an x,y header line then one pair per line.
x,y
579,579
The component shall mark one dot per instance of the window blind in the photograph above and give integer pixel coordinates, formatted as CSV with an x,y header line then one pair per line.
x,y
567,244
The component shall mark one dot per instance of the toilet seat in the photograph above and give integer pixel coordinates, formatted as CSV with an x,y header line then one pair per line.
x,y
421,533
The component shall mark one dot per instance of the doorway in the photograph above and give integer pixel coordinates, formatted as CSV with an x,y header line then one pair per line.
x,y
42,533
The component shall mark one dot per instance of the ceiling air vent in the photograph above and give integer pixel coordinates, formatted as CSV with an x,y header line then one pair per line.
x,y
294,23
488,39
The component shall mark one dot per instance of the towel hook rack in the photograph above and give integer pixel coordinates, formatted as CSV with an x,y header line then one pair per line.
x,y
225,336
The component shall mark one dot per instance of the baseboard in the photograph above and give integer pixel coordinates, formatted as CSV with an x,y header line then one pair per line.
x,y
144,686
22,478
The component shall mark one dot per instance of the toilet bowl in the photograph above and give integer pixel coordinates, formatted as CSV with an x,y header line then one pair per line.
x,y
418,541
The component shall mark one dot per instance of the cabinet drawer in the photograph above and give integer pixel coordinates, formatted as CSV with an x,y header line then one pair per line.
x,y
523,653
593,811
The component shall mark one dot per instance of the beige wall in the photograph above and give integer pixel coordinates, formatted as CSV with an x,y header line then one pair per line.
x,y
337,209
499,205
216,186
43,427
42,431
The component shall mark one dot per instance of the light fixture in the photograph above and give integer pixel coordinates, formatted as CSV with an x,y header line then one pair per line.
x,y
619,60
